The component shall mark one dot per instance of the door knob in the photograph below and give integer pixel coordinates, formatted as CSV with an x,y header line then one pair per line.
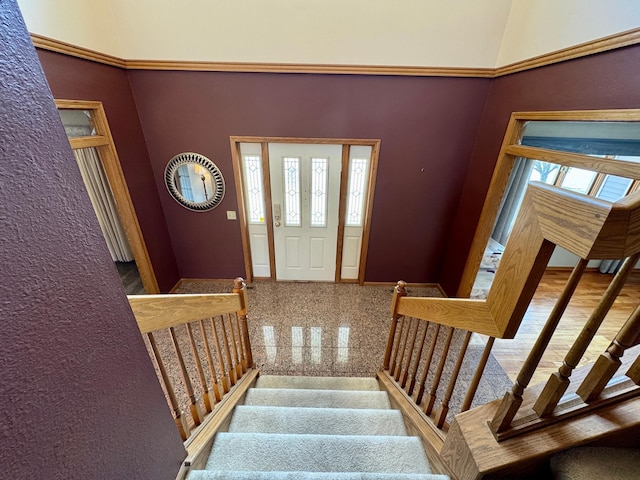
x,y
277,224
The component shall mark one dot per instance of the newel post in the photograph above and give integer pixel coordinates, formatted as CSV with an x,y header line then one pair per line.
x,y
240,288
398,292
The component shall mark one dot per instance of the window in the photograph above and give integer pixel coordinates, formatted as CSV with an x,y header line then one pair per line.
x,y
356,191
291,167
255,193
319,178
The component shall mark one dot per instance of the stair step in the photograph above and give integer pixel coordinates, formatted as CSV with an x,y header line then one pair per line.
x,y
316,421
283,397
243,475
317,383
317,453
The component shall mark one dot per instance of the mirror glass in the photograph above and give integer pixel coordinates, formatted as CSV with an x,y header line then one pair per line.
x,y
194,181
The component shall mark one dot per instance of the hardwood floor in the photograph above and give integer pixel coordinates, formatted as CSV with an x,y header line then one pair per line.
x,y
512,353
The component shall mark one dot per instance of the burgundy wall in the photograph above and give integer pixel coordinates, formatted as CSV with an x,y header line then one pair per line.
x,y
80,398
604,81
427,127
77,79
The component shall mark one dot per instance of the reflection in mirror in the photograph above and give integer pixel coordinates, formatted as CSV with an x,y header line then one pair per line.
x,y
194,181
610,141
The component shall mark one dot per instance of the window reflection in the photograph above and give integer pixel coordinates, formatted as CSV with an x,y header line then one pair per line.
x,y
316,345
297,342
269,343
342,355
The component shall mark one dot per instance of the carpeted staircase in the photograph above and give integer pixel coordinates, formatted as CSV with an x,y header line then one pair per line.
x,y
316,428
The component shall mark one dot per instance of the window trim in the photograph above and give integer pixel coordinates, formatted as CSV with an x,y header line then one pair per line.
x,y
512,149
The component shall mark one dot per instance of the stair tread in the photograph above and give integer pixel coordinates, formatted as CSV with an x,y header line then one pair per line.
x,y
317,398
303,475
318,453
325,421
317,383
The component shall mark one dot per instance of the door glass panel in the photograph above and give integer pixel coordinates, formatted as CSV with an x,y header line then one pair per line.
x,y
255,193
578,180
356,191
319,176
291,168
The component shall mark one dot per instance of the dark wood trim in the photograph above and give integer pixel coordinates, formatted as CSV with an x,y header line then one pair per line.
x,y
108,155
344,178
368,211
242,215
268,214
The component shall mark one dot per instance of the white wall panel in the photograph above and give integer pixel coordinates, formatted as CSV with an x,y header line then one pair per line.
x,y
89,24
536,27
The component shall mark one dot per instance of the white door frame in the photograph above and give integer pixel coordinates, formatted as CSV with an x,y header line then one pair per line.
x,y
346,143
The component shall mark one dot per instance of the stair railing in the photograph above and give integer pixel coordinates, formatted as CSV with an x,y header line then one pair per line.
x,y
200,347
420,362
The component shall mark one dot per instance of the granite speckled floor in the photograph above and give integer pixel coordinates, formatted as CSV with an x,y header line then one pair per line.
x,y
321,329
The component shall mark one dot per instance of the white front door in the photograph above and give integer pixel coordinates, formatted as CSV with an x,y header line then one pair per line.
x,y
305,196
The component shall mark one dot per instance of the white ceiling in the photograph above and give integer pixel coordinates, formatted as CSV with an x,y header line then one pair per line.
x,y
425,33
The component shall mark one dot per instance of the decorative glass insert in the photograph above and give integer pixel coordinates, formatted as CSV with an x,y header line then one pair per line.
x,y
291,168
319,179
255,191
356,192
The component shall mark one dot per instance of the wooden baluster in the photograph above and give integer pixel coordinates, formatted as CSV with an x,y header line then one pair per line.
x,y
240,287
206,393
477,376
231,370
412,381
399,291
224,378
241,349
427,365
513,399
392,367
234,349
193,406
405,336
559,381
443,409
433,392
634,371
212,368
405,372
609,362
180,420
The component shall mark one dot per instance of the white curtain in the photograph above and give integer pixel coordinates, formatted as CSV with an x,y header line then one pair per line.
x,y
103,203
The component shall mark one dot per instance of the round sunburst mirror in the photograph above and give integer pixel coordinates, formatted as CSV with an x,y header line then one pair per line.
x,y
194,181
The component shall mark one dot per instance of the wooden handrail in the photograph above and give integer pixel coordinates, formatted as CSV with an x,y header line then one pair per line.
x,y
155,312
165,318
549,216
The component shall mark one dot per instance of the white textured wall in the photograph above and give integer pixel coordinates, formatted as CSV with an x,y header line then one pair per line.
x,y
459,33
536,27
85,23
370,32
